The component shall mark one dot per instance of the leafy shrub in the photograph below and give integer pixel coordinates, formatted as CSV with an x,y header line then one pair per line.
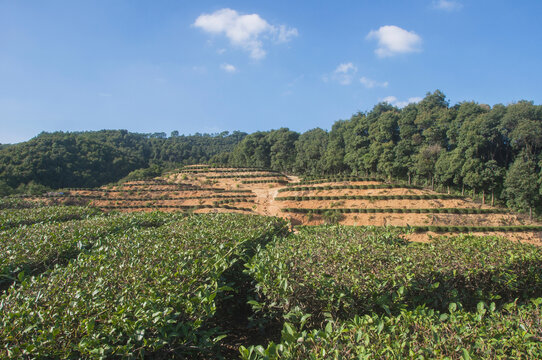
x,y
419,334
17,217
145,293
344,271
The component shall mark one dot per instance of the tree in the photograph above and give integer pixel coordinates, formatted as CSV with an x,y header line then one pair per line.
x,y
310,149
5,189
282,150
522,127
521,185
426,160
448,168
335,152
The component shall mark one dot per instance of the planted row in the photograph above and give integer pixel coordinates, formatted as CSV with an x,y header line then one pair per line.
x,y
342,187
18,203
280,181
339,272
16,217
180,207
35,248
242,176
399,211
334,179
219,170
148,293
229,201
513,333
128,198
370,197
145,189
452,229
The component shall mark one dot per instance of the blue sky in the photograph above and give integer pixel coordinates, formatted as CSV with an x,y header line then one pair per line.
x,y
212,66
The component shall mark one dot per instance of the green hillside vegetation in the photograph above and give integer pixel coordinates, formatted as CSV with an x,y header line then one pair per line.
x,y
491,153
173,285
133,286
89,159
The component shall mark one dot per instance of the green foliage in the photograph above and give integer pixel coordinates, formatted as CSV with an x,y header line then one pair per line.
x,y
16,217
270,150
143,174
18,203
88,159
332,217
417,334
36,248
521,184
146,292
339,272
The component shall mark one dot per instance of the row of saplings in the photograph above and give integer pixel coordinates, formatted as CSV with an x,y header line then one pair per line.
x,y
370,197
398,210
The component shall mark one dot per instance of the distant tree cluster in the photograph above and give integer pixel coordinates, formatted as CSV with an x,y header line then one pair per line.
x,y
89,159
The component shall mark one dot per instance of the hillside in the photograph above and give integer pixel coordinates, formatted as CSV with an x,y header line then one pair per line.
x,y
344,200
78,282
486,152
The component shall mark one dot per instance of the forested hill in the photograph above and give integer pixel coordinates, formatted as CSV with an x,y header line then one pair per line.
x,y
88,159
490,150
485,150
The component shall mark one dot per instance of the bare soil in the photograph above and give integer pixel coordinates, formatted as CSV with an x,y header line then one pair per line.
x,y
264,203
382,204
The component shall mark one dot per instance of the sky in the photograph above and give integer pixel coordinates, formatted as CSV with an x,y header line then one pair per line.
x,y
214,66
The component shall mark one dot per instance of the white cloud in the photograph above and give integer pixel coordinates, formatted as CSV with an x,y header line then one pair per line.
x,y
244,31
369,83
343,74
221,51
285,34
228,68
447,5
393,40
395,102
345,68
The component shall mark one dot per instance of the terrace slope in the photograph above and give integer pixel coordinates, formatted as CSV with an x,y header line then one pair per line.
x,y
348,201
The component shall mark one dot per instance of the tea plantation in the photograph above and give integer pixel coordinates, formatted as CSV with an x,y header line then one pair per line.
x,y
79,283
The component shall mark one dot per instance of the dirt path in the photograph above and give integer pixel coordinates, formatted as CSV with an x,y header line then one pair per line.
x,y
265,202
265,199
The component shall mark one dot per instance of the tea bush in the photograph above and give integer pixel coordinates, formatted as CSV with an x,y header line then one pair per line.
x,y
148,292
422,333
35,248
17,217
339,272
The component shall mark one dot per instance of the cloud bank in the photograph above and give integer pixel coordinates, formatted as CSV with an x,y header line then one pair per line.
x,y
393,40
247,32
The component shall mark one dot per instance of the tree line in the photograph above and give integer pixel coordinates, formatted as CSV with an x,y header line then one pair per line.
x,y
488,151
94,158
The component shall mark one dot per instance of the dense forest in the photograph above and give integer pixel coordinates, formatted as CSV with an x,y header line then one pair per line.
x,y
487,151
88,159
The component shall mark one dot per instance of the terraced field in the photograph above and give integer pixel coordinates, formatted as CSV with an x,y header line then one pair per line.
x,y
77,282
346,200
